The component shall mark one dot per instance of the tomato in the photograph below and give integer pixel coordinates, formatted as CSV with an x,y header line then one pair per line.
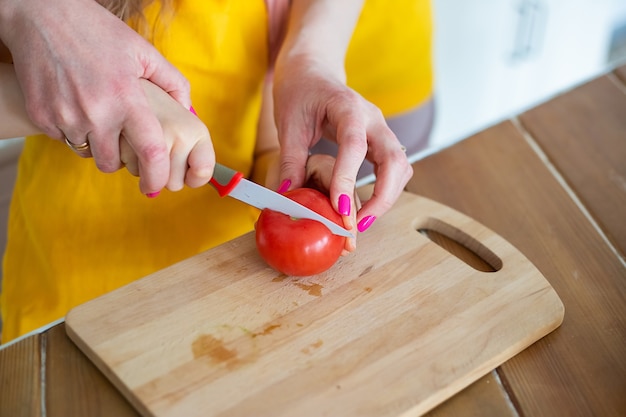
x,y
299,247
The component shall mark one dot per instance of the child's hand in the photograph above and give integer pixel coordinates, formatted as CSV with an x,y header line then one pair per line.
x,y
192,158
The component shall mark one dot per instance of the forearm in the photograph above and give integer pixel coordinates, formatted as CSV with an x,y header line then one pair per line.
x,y
320,31
14,121
267,147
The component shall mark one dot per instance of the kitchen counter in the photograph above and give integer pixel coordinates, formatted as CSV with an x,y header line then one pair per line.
x,y
552,181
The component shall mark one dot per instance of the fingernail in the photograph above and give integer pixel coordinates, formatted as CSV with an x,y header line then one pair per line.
x,y
344,205
191,109
365,223
284,186
153,195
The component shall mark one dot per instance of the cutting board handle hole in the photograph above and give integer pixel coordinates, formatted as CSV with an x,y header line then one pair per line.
x,y
461,245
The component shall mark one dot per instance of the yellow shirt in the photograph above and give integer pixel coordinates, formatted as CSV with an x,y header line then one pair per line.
x,y
76,233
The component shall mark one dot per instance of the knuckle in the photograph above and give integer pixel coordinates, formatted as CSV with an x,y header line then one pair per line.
x,y
290,162
384,204
175,185
152,152
40,118
185,85
409,172
357,144
108,166
197,176
46,121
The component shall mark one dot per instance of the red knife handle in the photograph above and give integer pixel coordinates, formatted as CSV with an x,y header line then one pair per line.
x,y
225,179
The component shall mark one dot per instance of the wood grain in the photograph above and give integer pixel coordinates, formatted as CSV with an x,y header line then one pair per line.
x,y
583,135
396,330
496,178
75,387
620,72
20,378
484,398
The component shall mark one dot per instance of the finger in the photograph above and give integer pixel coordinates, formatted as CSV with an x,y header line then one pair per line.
x,y
128,157
178,167
352,141
319,172
162,73
201,163
105,147
294,140
81,149
350,221
349,224
319,176
143,133
392,175
201,160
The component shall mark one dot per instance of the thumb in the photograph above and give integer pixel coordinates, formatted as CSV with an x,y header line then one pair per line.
x,y
161,72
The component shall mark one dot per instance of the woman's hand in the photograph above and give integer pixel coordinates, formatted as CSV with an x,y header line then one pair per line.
x,y
318,168
310,103
79,68
187,139
311,100
319,175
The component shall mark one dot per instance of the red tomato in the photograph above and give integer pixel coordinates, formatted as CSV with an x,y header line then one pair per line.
x,y
299,247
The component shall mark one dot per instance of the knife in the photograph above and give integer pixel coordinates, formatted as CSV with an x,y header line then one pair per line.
x,y
229,182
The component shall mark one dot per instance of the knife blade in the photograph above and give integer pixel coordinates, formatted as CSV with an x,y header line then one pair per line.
x,y
229,182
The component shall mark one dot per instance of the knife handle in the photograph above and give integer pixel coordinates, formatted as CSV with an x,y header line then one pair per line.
x,y
225,179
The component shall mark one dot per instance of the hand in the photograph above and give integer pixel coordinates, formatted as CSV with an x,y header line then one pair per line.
x,y
318,175
79,68
311,102
187,139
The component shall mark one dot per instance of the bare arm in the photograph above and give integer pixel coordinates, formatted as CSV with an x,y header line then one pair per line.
x,y
312,100
267,147
187,139
14,121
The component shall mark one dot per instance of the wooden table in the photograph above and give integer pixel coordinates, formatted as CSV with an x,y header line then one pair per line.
x,y
551,181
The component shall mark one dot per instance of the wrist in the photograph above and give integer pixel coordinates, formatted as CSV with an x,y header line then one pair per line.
x,y
296,65
318,35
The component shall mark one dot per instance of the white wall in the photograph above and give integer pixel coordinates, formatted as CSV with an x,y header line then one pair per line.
x,y
496,58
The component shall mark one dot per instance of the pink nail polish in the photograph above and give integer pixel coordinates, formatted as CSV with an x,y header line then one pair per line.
x,y
284,186
365,223
153,195
344,205
191,109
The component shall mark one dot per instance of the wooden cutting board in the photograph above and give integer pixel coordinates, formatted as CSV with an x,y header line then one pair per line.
x,y
391,330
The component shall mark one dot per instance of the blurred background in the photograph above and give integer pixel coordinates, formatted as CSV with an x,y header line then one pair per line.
x,y
496,58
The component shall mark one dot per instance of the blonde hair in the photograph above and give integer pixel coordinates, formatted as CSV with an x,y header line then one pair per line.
x,y
131,11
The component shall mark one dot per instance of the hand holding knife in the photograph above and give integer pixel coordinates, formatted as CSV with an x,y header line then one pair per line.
x,y
229,182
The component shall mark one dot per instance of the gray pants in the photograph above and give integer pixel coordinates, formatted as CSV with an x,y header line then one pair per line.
x,y
412,128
